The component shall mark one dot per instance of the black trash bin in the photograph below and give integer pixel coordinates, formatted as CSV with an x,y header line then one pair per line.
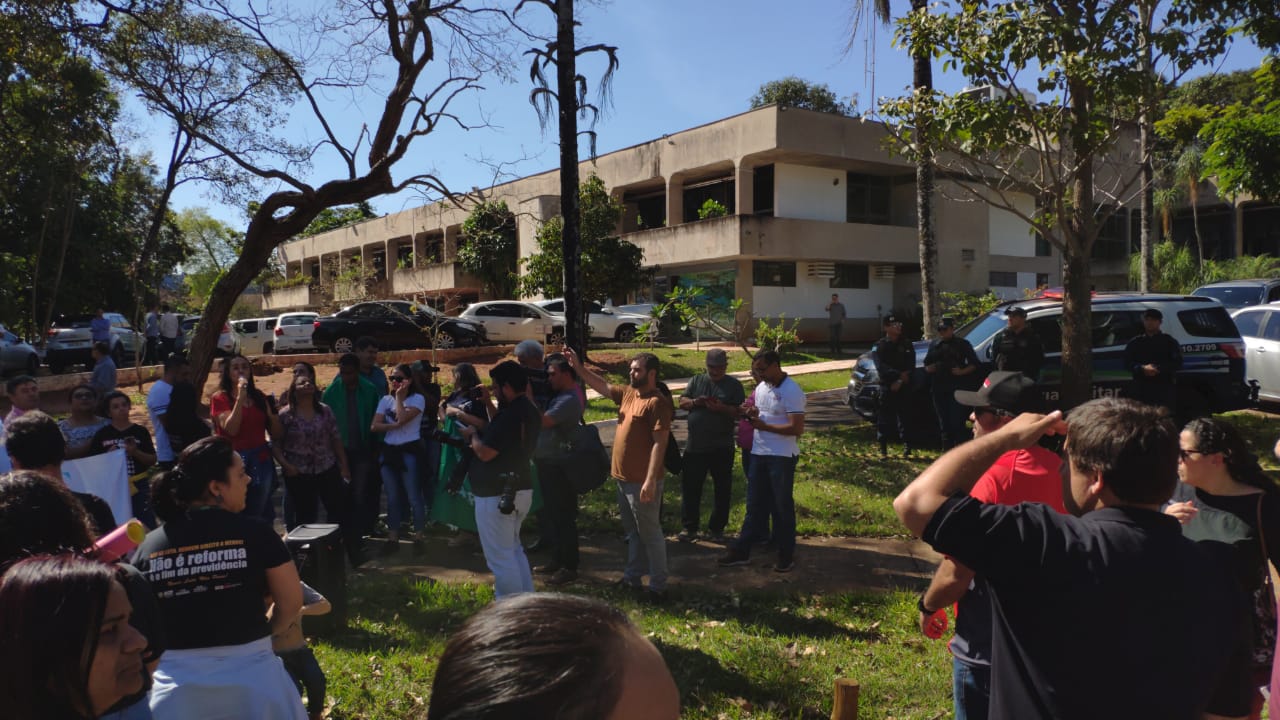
x,y
317,550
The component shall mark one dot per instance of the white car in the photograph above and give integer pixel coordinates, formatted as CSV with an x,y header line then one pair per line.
x,y
293,332
1259,325
607,322
228,339
257,335
510,321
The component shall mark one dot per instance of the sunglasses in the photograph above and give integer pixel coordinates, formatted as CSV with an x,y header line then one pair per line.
x,y
397,378
1185,455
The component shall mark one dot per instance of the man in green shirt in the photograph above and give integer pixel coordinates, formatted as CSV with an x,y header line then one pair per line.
x,y
353,401
712,400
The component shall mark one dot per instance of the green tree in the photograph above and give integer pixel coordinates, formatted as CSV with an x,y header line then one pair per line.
x,y
214,246
338,217
1062,91
611,266
491,251
791,91
1242,141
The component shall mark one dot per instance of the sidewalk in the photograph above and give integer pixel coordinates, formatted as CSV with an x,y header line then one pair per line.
x,y
807,368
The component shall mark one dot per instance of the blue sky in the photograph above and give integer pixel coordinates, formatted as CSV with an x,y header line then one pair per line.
x,y
683,63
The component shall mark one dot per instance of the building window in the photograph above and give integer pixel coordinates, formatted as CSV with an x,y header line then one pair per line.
x,y
1043,247
851,276
721,190
1113,237
869,199
762,191
433,249
1000,278
651,212
773,274
404,255
1042,280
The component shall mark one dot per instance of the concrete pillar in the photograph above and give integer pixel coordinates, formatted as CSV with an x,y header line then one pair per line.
x,y
744,188
449,251
675,200
743,289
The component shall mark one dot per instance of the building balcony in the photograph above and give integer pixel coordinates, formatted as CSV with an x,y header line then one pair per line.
x,y
285,299
746,236
434,278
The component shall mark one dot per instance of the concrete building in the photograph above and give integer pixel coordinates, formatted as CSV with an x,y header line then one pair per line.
x,y
816,206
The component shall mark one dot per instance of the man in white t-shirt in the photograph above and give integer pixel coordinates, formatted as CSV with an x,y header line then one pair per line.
x,y
777,419
170,328
158,405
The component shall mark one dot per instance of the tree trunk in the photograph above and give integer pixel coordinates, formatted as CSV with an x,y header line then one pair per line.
x,y
575,335
922,81
68,224
1079,232
1193,194
1146,136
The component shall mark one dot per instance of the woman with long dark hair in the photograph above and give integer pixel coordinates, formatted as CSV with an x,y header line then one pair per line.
x,y
69,650
83,421
244,414
402,450
1228,504
39,516
538,655
311,454
211,567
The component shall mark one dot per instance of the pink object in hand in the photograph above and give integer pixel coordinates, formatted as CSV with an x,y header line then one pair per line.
x,y
119,542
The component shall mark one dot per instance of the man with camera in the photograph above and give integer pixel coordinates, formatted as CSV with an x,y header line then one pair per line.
x,y
563,413
500,478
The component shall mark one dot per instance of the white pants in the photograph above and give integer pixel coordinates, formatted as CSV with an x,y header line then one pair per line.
x,y
500,539
231,682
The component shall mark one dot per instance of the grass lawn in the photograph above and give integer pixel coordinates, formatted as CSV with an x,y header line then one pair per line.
x,y
733,656
842,488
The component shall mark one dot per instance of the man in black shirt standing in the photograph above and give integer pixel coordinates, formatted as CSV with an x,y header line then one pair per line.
x,y
895,358
1017,348
500,478
951,364
1154,358
1105,613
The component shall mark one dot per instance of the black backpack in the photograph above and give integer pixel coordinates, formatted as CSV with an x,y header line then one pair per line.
x,y
586,461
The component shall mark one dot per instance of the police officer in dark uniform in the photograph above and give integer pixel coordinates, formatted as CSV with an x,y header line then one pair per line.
x,y
1017,348
951,364
1154,358
894,359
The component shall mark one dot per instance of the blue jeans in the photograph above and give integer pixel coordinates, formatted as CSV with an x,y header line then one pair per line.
x,y
769,487
261,469
971,686
392,477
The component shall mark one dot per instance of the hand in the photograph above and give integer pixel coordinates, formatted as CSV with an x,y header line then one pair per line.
x,y
1024,430
931,368
131,446
402,391
648,491
451,411
957,371
700,402
346,476
466,431
1183,511
1150,370
575,362
290,470
240,387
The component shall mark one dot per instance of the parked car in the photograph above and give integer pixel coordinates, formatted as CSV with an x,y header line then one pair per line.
x,y
1212,378
395,324
510,321
293,332
257,335
228,341
16,355
70,340
1235,294
607,322
1259,325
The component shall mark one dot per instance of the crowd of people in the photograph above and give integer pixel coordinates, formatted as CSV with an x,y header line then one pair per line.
x,y
1103,564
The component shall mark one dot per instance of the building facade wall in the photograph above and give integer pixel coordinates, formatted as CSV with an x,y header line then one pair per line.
x,y
808,193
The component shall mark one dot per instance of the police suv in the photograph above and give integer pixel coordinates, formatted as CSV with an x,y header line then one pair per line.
x,y
1212,378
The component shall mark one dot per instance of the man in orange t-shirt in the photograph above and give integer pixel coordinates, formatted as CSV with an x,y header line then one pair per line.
x,y
639,447
1018,476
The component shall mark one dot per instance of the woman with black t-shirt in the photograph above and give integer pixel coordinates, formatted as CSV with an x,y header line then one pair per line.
x,y
1229,506
121,433
211,567
182,423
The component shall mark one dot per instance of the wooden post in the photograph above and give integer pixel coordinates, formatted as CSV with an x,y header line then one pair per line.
x,y
846,704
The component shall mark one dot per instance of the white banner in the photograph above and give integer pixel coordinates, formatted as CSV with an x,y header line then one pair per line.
x,y
105,475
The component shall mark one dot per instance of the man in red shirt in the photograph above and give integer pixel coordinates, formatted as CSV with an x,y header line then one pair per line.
x,y
1018,476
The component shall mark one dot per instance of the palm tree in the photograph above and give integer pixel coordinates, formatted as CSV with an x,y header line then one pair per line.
x,y
922,83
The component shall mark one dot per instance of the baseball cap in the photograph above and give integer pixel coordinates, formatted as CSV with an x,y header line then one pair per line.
x,y
716,357
1015,310
891,319
1009,391
946,322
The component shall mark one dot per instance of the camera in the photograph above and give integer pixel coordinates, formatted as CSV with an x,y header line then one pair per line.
x,y
507,501
445,438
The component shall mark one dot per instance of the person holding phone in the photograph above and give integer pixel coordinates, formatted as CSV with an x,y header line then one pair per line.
x,y
245,415
140,453
402,450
